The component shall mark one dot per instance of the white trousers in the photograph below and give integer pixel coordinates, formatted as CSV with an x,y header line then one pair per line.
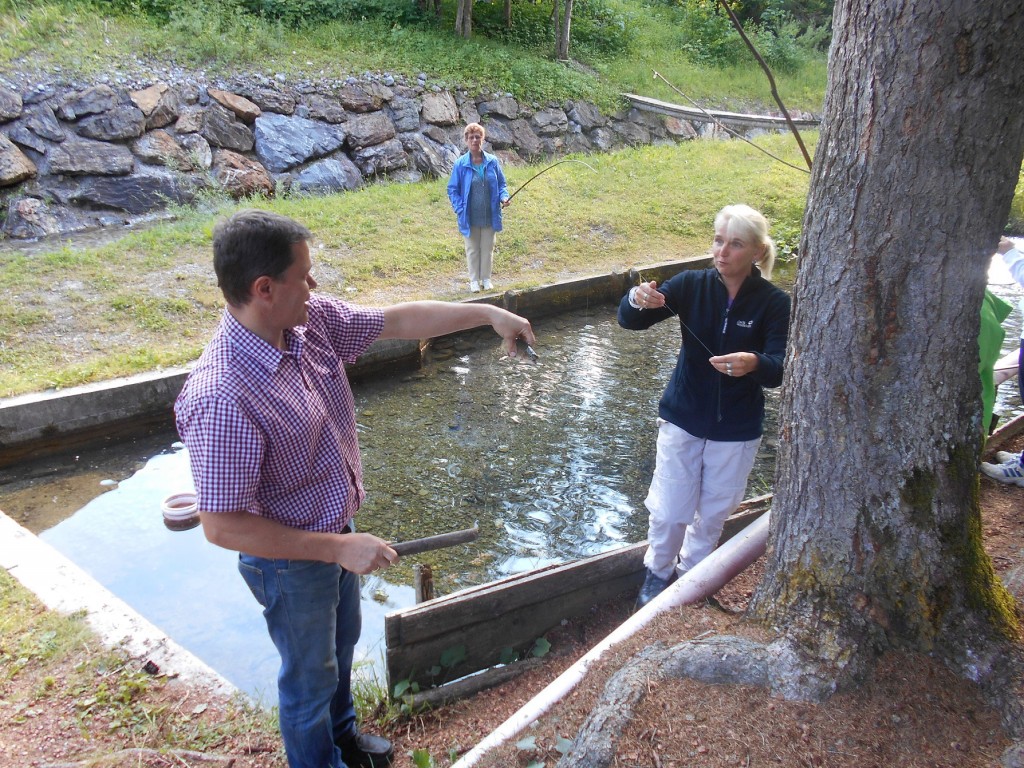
x,y
696,485
479,250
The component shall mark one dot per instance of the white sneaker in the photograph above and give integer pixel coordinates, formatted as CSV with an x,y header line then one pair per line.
x,y
1002,457
1010,472
474,286
488,285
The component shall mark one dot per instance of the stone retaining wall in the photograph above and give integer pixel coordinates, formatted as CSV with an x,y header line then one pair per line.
x,y
76,156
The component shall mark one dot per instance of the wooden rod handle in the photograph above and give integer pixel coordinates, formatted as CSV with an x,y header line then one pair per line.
x,y
440,541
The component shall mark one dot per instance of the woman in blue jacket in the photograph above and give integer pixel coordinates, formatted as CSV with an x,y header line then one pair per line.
x,y
734,325
478,192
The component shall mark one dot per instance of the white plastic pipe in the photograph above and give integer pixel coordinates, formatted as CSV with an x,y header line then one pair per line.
x,y
709,576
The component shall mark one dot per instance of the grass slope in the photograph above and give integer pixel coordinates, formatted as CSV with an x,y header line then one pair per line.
x,y
150,299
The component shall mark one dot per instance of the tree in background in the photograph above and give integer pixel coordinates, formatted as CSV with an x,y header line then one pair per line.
x,y
464,19
563,24
875,539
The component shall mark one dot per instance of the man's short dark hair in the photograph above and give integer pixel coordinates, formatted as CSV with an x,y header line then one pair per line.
x,y
250,244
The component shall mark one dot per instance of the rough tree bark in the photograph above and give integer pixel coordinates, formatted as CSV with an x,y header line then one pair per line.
x,y
876,533
875,538
430,7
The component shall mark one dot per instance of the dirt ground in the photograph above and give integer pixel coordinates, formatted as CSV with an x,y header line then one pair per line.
x,y
913,712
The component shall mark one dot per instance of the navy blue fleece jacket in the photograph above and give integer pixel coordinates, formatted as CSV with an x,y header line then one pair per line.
x,y
698,398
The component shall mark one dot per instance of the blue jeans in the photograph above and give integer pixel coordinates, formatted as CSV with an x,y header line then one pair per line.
x,y
1020,369
312,613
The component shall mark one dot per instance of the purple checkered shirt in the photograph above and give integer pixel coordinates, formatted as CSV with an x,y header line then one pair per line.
x,y
274,433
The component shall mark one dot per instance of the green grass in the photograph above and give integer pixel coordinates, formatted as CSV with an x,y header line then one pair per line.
x,y
658,47
52,661
88,39
150,299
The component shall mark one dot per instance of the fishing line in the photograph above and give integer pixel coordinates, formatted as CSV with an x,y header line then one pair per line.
x,y
676,314
699,341
545,171
729,130
530,353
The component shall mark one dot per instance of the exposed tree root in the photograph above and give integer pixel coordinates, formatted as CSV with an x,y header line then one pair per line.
x,y
786,673
182,758
595,743
713,660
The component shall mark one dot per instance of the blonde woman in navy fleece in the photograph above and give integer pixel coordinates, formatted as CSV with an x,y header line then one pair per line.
x,y
734,325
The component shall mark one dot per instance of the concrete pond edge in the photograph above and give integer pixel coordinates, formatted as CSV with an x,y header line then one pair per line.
x,y
35,425
64,587
59,421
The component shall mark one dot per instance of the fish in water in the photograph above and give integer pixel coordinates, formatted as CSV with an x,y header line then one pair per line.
x,y
530,353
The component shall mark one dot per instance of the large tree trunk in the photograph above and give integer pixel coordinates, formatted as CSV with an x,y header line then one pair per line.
x,y
876,531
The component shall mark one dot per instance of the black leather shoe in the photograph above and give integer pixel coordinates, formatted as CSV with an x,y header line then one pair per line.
x,y
364,750
652,587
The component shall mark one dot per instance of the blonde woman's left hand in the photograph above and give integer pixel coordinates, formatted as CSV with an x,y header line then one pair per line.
x,y
735,363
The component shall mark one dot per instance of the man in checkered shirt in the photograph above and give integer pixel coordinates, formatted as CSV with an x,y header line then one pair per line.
x,y
269,421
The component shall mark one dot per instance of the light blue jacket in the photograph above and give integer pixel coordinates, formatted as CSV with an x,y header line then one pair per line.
x,y
462,179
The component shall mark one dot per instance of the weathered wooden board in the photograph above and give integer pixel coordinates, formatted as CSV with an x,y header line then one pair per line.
x,y
1002,437
513,612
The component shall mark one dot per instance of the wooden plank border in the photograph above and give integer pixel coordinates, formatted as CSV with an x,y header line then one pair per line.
x,y
513,612
999,439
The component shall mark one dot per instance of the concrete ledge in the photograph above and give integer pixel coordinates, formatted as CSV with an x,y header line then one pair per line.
x,y
63,586
737,119
36,425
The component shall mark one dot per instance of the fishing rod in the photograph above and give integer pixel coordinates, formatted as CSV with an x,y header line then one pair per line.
x,y
771,80
509,199
441,540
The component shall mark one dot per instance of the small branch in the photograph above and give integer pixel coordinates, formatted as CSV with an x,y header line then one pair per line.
x,y
771,79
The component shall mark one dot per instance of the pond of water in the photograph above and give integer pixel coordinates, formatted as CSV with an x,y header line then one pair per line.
x,y
551,460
